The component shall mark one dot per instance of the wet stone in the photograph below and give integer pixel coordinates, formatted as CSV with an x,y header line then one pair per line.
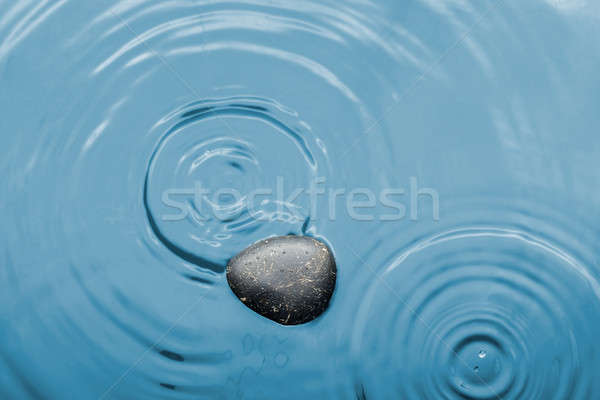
x,y
288,279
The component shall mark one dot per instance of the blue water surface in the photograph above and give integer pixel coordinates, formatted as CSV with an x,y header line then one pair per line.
x,y
487,113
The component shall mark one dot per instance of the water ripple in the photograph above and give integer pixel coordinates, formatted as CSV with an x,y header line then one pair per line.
x,y
115,114
215,146
481,312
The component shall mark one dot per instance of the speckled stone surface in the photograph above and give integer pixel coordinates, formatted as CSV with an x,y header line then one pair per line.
x,y
288,279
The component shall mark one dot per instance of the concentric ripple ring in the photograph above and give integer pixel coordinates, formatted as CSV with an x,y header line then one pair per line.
x,y
484,313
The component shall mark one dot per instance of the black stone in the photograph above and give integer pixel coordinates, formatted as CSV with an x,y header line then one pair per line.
x,y
288,279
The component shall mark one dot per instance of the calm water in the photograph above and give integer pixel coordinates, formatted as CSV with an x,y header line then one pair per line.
x,y
105,106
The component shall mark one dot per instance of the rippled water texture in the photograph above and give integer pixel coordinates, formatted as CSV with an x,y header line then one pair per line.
x,y
107,105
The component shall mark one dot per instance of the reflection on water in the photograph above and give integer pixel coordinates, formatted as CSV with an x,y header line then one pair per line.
x,y
110,108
